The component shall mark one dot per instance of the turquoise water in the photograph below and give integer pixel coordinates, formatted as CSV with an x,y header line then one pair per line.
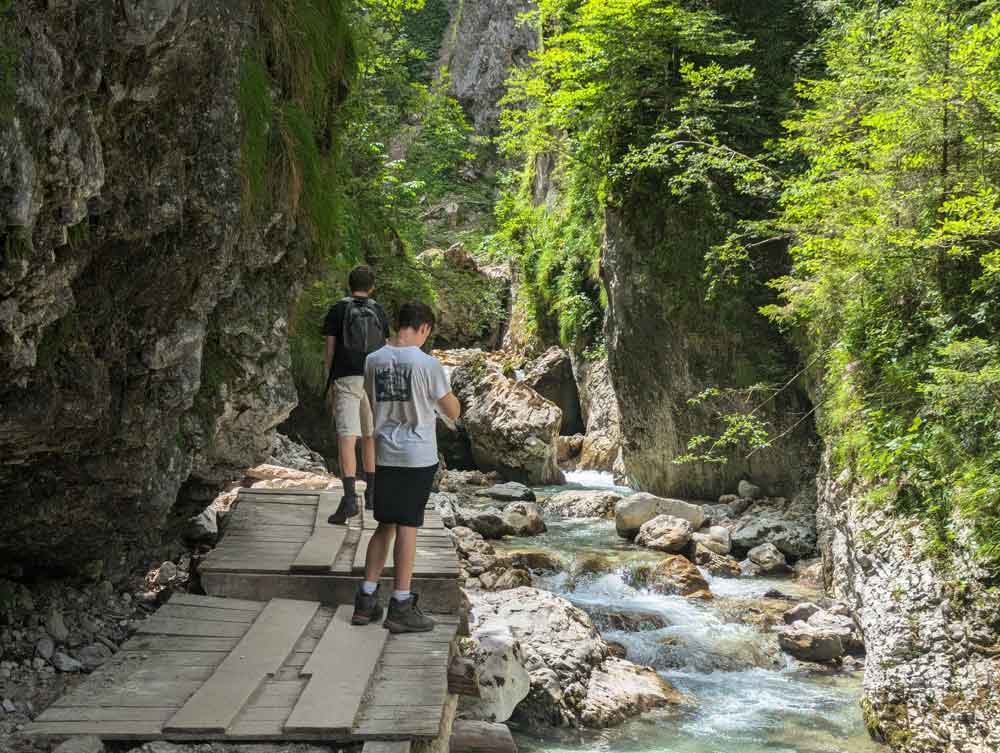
x,y
745,695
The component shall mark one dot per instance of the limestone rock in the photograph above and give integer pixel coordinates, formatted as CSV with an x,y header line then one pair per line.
x,y
718,539
720,565
202,528
747,490
512,491
790,537
488,522
166,573
619,689
65,663
768,559
802,611
582,504
93,656
288,453
45,648
523,519
511,427
568,448
551,376
84,744
664,533
673,574
533,559
503,680
56,627
632,512
562,653
599,407
808,643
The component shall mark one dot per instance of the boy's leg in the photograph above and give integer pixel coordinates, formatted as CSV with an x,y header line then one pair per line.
x,y
368,450
366,606
404,553
347,395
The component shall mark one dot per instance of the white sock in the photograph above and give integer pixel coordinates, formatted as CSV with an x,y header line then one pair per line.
x,y
369,587
401,595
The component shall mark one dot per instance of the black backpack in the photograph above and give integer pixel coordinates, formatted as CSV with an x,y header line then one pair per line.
x,y
363,331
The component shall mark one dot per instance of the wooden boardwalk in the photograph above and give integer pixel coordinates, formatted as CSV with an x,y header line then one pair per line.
x,y
277,544
205,668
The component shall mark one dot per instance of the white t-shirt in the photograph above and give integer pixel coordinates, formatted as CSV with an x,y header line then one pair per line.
x,y
404,386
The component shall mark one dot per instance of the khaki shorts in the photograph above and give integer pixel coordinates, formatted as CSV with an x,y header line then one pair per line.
x,y
351,409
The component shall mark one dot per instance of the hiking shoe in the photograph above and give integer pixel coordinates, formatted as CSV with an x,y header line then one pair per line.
x,y
348,508
366,607
407,617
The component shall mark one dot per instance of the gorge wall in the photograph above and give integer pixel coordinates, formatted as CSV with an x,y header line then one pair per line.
x,y
142,316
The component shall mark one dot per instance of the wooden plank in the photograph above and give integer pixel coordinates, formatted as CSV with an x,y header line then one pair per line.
x,y
320,552
258,513
244,536
278,496
278,694
386,746
262,492
182,658
128,730
339,669
157,625
196,600
261,652
105,714
167,643
182,612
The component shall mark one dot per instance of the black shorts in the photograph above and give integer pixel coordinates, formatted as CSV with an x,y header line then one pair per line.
x,y
401,494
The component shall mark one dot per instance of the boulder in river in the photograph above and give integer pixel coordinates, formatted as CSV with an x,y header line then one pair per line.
x,y
512,491
631,512
512,429
747,490
809,643
562,652
673,574
488,522
664,533
768,559
583,504
719,565
523,519
717,538
503,680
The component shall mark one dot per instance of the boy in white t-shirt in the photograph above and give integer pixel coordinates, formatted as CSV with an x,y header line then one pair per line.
x,y
406,388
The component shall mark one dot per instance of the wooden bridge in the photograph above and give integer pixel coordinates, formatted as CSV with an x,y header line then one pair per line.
x,y
285,664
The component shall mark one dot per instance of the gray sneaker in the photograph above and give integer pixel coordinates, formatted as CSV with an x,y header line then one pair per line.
x,y
407,617
366,607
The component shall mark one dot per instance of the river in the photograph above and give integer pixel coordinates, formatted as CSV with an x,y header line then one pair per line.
x,y
746,696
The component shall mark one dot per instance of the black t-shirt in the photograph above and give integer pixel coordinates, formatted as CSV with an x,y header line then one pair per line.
x,y
345,362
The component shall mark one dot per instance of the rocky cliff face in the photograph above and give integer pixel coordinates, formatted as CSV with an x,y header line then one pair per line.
x,y
666,345
931,627
142,318
485,41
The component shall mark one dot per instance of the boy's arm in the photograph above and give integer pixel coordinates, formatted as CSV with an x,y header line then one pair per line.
x,y
331,346
450,406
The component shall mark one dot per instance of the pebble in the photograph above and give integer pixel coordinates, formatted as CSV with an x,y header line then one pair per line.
x,y
66,663
56,626
8,706
88,744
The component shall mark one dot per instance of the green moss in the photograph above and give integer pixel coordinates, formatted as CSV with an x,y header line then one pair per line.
x,y
8,61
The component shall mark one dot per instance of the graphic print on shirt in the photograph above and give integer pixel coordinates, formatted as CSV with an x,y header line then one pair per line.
x,y
394,384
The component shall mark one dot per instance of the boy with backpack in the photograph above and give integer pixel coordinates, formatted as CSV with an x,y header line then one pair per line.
x,y
354,327
406,388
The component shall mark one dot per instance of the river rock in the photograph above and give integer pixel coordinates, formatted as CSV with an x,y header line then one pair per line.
x,y
512,429
746,490
809,643
551,376
503,680
523,519
488,522
618,689
665,533
583,504
93,656
631,512
84,744
562,650
841,625
720,565
673,574
45,648
166,573
202,528
56,626
512,491
533,559
718,539
607,617
288,453
65,663
768,559
792,538
449,507
802,612
505,580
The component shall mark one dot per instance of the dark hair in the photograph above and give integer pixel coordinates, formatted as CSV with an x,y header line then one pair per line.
x,y
414,315
361,279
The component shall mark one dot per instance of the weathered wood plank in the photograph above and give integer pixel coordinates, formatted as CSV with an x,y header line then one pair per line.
x,y
106,714
261,652
262,513
289,534
167,643
339,668
278,496
320,552
157,625
125,730
183,612
178,658
214,602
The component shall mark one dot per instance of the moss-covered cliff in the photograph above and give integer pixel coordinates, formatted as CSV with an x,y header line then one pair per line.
x,y
149,259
